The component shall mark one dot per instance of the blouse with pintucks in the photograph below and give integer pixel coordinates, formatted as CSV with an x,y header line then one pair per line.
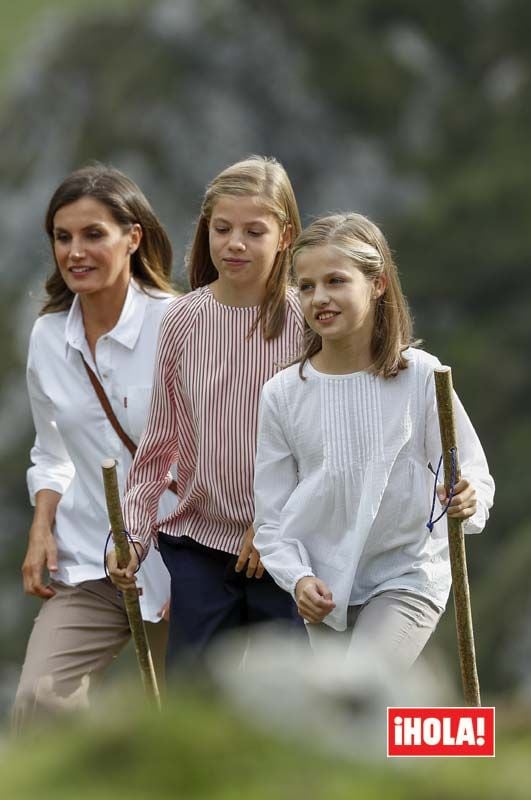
x,y
343,490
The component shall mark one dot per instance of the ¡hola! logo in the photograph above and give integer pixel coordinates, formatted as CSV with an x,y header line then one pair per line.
x,y
440,731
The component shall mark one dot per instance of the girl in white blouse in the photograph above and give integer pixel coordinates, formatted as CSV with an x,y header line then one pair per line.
x,y
342,484
106,298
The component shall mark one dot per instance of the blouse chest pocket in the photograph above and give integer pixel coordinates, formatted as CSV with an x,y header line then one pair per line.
x,y
137,404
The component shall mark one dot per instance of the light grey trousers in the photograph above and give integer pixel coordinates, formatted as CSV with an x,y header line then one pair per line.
x,y
76,635
397,624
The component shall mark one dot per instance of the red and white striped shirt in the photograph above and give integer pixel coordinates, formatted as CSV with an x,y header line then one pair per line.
x,y
204,417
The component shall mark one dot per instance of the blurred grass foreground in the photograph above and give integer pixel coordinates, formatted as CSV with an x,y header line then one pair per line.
x,y
199,748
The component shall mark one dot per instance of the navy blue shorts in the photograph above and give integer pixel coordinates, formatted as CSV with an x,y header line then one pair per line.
x,y
209,597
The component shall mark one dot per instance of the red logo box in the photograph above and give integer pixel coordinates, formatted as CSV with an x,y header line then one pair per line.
x,y
441,731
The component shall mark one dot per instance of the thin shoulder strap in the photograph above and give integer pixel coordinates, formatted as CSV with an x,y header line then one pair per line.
x,y
105,404
111,416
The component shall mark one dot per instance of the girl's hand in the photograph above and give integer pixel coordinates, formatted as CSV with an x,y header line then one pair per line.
x,y
123,579
249,555
41,553
314,599
463,503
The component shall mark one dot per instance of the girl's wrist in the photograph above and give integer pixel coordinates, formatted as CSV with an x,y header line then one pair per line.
x,y
299,586
137,548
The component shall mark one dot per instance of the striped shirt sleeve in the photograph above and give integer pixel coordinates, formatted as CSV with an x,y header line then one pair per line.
x,y
150,473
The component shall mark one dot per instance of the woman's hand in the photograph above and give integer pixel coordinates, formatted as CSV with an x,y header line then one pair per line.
x,y
123,579
463,504
164,612
41,554
249,555
314,599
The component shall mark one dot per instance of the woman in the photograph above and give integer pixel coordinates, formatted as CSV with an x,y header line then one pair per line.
x,y
106,298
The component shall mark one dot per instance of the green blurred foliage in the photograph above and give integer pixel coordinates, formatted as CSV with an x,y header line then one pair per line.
x,y
198,748
18,18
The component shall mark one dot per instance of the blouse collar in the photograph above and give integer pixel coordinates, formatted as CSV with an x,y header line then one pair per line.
x,y
127,329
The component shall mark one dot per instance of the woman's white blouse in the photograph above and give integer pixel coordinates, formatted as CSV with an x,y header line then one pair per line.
x,y
73,434
342,485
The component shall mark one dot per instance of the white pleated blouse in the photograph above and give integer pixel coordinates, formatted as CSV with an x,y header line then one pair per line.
x,y
342,485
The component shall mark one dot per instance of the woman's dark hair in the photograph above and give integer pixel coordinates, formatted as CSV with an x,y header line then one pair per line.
x,y
151,263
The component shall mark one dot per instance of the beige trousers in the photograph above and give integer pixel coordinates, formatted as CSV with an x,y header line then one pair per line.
x,y
396,624
76,635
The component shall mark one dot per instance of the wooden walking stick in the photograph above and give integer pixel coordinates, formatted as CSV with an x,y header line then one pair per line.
x,y
456,541
132,605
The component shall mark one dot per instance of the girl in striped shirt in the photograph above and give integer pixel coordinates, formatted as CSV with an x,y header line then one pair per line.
x,y
218,345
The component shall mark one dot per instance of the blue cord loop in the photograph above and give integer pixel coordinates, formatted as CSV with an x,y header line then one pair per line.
x,y
134,544
431,522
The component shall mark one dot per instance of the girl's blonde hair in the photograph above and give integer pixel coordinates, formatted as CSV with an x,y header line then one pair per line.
x,y
359,239
266,179
151,263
